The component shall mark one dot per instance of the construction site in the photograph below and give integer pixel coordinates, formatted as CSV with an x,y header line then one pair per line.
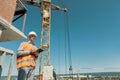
x,y
13,13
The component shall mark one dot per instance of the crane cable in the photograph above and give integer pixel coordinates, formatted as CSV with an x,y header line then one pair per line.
x,y
67,38
59,56
65,56
65,49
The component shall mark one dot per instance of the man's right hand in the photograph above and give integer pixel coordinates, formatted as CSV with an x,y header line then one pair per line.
x,y
33,51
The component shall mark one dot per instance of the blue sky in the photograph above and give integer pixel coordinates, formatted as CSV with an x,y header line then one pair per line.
x,y
94,33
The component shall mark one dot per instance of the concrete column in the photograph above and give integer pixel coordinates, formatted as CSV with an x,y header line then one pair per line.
x,y
1,62
2,58
10,67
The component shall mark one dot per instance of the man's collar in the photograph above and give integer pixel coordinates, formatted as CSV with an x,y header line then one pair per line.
x,y
30,42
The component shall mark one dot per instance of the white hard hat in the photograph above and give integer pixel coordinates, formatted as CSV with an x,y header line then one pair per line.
x,y
32,33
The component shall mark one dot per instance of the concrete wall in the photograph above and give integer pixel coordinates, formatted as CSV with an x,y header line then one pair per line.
x,y
7,9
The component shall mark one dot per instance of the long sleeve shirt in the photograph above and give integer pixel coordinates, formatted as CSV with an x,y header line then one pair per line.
x,y
21,51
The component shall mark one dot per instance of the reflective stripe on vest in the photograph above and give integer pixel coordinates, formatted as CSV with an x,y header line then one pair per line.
x,y
30,60
27,60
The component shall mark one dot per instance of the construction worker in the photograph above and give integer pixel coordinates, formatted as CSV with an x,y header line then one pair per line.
x,y
26,57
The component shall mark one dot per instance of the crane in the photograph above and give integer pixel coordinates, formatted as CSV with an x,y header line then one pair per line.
x,y
46,7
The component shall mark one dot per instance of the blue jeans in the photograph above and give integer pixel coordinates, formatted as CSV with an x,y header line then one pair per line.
x,y
26,73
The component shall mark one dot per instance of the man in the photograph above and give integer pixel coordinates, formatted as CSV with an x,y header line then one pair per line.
x,y
26,57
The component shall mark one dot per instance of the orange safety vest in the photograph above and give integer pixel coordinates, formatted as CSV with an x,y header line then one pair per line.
x,y
27,60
